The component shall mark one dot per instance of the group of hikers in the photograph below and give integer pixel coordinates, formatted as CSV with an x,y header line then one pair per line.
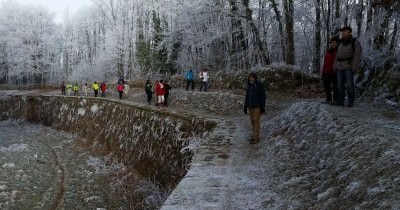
x,y
161,90
69,89
337,75
203,76
340,62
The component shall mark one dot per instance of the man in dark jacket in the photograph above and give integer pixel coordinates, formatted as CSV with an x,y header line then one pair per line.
x,y
254,104
347,61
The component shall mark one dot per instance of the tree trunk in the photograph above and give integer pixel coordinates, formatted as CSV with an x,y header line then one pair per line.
x,y
261,52
289,19
369,16
359,16
317,49
280,27
336,23
239,46
394,36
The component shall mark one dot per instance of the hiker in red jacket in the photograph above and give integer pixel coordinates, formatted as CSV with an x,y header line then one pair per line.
x,y
328,76
160,92
120,88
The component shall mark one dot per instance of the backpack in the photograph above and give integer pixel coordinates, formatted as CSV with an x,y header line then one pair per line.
x,y
353,41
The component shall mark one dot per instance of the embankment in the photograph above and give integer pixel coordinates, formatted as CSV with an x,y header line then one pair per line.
x,y
150,140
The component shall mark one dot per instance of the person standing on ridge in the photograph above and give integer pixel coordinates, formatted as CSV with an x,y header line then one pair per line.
x,y
347,61
63,87
328,76
149,91
204,79
76,89
126,89
86,89
254,104
167,88
95,87
160,92
120,88
69,89
103,88
189,79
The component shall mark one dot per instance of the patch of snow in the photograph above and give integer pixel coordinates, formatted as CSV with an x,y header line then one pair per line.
x,y
8,165
15,148
94,108
81,111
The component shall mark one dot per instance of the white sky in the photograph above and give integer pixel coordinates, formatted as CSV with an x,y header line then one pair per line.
x,y
59,7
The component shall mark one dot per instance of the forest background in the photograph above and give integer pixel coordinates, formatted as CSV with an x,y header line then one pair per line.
x,y
137,39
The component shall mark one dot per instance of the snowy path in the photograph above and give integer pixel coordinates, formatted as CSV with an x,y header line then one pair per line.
x,y
312,156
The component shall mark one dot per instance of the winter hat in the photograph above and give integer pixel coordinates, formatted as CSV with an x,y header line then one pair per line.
x,y
346,28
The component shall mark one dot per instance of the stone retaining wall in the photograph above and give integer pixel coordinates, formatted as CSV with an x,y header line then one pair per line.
x,y
151,140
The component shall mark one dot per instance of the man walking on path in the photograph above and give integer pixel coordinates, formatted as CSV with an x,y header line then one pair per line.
x,y
254,104
347,61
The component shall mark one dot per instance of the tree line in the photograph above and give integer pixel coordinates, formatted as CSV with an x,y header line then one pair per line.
x,y
141,38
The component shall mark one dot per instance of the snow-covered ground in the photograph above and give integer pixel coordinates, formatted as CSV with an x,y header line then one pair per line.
x,y
311,156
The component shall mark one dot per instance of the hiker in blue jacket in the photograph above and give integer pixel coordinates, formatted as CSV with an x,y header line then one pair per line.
x,y
189,79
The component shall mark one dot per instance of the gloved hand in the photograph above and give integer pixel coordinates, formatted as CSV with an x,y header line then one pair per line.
x,y
262,110
245,110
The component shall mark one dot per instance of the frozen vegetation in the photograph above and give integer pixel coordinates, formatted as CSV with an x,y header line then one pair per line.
x,y
42,168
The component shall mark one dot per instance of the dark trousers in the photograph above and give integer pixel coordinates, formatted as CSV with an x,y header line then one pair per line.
x,y
63,92
330,86
120,94
188,83
96,92
149,96
166,99
345,82
204,84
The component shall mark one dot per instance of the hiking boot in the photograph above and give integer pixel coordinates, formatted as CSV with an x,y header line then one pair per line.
x,y
254,141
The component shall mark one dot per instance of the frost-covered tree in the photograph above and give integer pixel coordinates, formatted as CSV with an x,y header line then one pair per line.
x,y
29,44
149,38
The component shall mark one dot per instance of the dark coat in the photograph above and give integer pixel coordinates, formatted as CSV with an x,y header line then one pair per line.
x,y
255,95
346,56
